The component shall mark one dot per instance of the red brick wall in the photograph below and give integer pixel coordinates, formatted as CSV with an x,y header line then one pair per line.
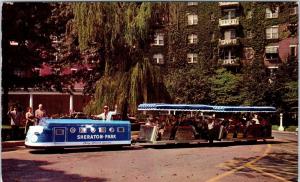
x,y
284,47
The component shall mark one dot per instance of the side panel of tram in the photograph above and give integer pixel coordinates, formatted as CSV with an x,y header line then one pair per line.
x,y
204,128
78,132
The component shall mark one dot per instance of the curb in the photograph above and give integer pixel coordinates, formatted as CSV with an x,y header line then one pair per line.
x,y
287,132
8,144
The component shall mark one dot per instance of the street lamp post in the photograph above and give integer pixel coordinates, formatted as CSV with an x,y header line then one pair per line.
x,y
280,128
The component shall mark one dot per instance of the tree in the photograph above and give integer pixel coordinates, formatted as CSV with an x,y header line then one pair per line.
x,y
225,88
119,33
25,45
188,85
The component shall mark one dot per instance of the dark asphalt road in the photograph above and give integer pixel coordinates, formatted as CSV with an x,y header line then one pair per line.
x,y
276,160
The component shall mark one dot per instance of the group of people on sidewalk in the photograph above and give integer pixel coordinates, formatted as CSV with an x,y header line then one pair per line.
x,y
15,116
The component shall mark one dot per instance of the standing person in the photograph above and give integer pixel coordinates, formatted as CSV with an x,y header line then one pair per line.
x,y
40,113
15,119
29,119
106,115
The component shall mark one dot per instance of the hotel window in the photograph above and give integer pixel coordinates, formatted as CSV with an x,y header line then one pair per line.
x,y
213,36
271,52
159,39
293,10
74,70
192,58
249,34
270,14
248,53
272,32
293,50
229,34
13,43
212,17
192,19
56,71
230,14
18,72
37,71
249,14
158,58
192,3
192,38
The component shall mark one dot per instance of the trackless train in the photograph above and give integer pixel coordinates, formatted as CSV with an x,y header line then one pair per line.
x,y
175,123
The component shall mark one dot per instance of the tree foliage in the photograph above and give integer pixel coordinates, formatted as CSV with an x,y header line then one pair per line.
x,y
120,33
225,88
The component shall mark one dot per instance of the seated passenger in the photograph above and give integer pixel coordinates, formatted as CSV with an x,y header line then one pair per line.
x,y
255,119
107,115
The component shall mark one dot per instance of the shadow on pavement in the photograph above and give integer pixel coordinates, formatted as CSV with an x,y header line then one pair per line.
x,y
139,147
13,170
283,165
217,144
82,149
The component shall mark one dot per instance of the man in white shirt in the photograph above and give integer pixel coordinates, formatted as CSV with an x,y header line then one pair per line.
x,y
255,119
106,115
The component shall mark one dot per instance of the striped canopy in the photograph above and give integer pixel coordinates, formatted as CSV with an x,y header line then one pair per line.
x,y
174,107
203,108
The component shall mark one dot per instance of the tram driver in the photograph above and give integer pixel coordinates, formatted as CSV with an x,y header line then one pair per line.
x,y
107,115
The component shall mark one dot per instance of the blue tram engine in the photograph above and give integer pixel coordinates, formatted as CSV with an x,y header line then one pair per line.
x,y
78,132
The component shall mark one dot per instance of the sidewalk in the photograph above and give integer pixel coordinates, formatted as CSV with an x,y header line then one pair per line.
x,y
291,132
7,144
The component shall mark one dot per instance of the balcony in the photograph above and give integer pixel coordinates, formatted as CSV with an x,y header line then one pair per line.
x,y
229,4
230,62
228,42
229,22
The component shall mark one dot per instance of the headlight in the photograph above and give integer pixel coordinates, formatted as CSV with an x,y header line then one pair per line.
x,y
33,138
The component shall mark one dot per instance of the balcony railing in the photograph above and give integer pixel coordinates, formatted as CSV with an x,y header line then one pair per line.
x,y
225,4
228,42
230,62
229,22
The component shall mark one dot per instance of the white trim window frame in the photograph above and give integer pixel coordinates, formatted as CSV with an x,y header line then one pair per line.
x,y
294,10
272,32
192,19
270,14
37,71
192,3
158,58
192,58
159,39
74,70
192,39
